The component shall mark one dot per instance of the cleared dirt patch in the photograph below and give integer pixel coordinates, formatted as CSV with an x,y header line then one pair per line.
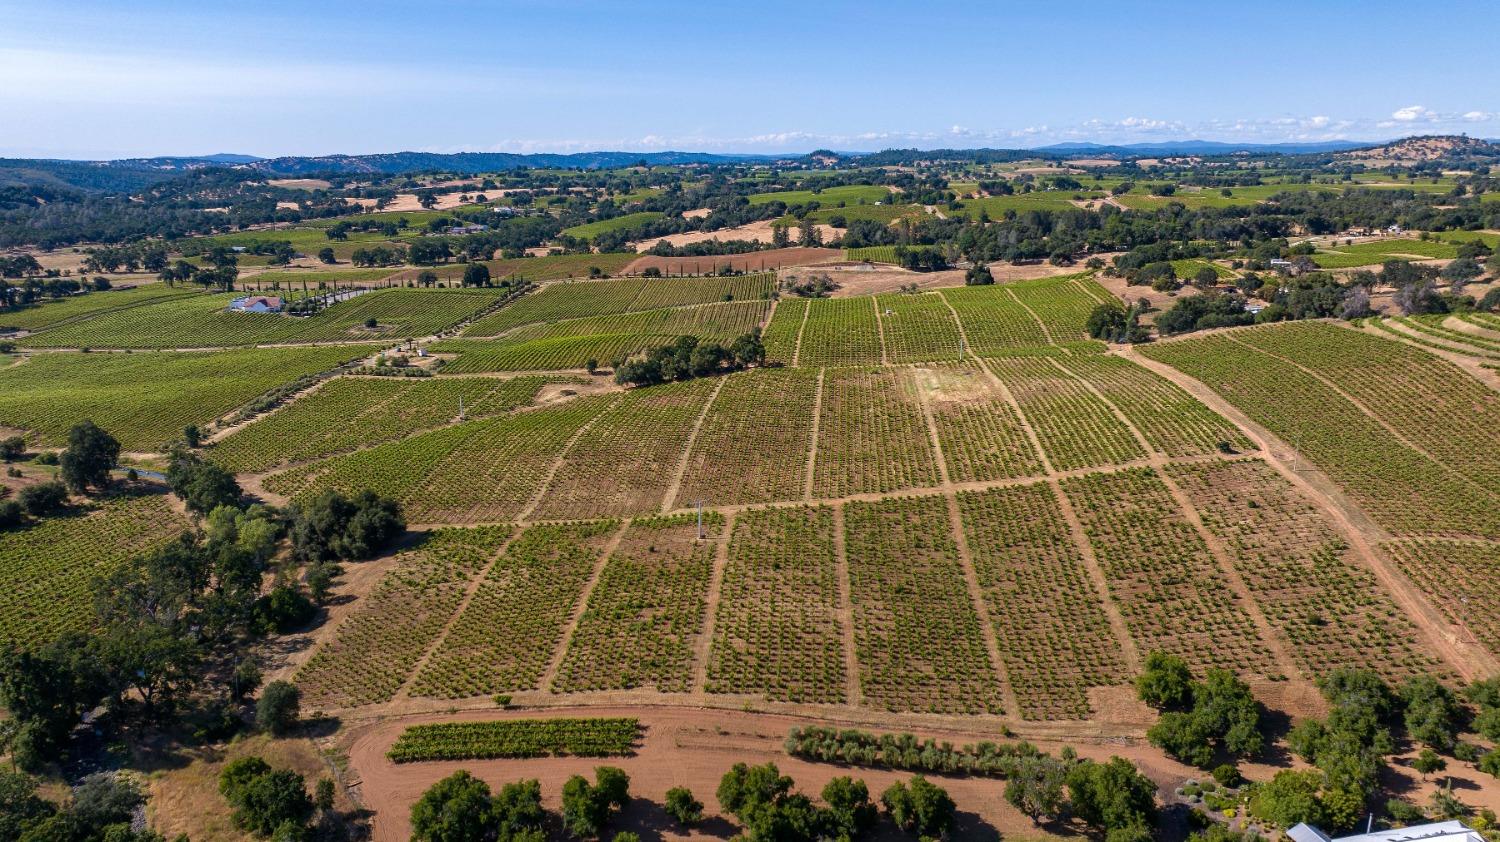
x,y
754,261
300,183
755,232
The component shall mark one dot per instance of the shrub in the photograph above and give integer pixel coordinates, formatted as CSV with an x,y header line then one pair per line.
x,y
331,526
683,807
457,808
279,707
12,448
1227,774
1433,714
588,808
1112,797
850,814
202,485
1166,683
1106,321
1289,798
922,807
43,499
284,609
1404,812
1489,763
12,514
266,801
105,798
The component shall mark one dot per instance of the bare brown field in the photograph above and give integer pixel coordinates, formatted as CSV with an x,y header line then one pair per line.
x,y
300,183
755,232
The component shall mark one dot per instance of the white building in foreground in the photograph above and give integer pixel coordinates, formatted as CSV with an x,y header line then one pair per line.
x,y
1450,831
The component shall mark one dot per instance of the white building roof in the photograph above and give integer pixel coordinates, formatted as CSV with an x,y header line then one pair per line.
x,y
1449,831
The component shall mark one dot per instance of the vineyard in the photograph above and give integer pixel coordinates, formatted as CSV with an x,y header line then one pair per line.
x,y
201,321
1405,490
780,336
778,632
918,639
918,328
1171,420
624,222
584,299
1301,574
477,471
1054,634
646,613
1170,590
354,412
571,343
993,320
46,570
1075,427
980,433
144,400
841,331
376,648
1433,332
1461,578
753,443
871,435
53,312
1427,401
625,463
503,639
516,738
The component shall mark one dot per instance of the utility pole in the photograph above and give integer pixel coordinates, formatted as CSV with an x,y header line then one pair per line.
x,y
700,519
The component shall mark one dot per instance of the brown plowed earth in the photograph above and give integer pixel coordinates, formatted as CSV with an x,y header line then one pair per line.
x,y
754,261
1471,661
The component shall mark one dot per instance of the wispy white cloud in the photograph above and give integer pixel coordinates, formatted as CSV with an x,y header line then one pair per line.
x,y
1411,113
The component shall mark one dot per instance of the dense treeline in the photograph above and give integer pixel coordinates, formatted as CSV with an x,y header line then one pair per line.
x,y
167,648
1215,722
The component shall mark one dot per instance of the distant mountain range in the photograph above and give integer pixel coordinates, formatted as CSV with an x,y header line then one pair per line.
x,y
391,163
130,174
1202,147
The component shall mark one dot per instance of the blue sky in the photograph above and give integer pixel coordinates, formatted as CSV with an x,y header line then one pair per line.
x,y
150,77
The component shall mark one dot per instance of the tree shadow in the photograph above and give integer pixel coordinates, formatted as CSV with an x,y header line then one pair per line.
x,y
1275,725
320,726
650,821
